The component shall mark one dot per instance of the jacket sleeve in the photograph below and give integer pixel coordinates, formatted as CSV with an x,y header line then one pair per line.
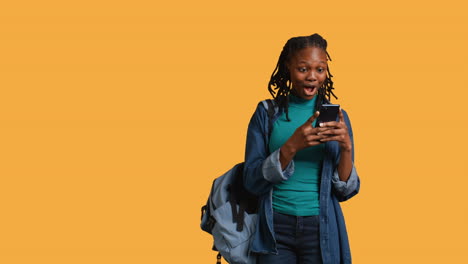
x,y
346,190
262,169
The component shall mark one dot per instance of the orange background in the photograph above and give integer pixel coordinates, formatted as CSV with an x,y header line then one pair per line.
x,y
116,116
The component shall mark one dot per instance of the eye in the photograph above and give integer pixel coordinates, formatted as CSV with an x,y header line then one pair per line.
x,y
320,70
302,69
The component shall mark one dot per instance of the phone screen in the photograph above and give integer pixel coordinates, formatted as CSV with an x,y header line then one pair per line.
x,y
328,112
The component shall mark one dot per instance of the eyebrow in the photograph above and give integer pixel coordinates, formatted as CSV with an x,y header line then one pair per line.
x,y
325,62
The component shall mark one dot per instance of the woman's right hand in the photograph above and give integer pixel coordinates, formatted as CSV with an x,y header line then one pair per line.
x,y
304,136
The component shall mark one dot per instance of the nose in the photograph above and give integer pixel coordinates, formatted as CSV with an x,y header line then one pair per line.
x,y
311,76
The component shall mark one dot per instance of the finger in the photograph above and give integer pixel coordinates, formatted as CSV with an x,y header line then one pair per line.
x,y
312,138
316,130
313,143
327,132
322,130
329,124
340,114
339,138
312,118
334,124
336,131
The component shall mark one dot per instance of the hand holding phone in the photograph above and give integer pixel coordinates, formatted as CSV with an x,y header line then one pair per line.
x,y
334,131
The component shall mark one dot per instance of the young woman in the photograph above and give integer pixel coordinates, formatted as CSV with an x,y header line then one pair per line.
x,y
301,172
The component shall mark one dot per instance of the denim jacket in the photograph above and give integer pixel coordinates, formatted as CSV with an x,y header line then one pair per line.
x,y
262,170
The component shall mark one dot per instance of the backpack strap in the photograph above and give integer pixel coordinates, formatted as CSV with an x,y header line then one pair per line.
x,y
271,108
238,214
236,196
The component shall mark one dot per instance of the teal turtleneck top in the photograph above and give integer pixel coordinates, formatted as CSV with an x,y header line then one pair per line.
x,y
299,195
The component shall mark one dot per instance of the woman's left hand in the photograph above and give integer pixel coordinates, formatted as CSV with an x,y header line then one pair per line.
x,y
336,131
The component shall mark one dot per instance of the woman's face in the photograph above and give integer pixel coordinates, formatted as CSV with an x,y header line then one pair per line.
x,y
308,71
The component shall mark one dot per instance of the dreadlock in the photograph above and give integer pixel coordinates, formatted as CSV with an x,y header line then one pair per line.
x,y
280,82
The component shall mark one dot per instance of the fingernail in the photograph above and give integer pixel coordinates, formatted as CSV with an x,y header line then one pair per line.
x,y
321,124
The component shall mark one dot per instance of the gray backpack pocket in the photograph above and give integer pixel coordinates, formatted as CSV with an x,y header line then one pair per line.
x,y
233,244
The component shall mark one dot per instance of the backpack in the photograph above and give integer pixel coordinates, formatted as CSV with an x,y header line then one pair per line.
x,y
230,214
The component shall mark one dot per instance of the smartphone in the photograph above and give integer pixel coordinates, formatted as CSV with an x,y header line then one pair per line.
x,y
328,112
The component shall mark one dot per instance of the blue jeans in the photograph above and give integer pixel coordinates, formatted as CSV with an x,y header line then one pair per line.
x,y
297,239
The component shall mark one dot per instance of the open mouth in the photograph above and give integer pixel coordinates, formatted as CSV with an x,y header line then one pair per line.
x,y
310,89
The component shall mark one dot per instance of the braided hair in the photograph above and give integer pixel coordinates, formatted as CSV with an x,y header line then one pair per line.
x,y
280,81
